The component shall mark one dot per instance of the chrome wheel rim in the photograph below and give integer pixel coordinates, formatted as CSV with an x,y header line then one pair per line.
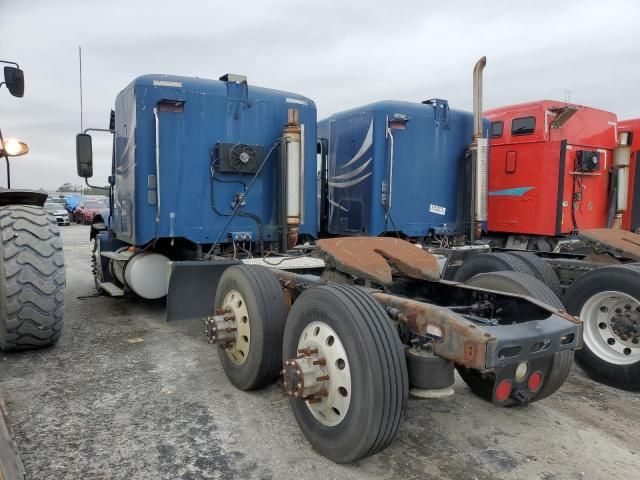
x,y
611,321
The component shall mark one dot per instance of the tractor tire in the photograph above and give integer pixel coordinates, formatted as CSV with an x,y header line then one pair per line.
x,y
541,270
611,350
255,360
490,262
32,278
522,284
366,417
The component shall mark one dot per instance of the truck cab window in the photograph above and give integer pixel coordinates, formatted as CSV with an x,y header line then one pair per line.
x,y
496,129
523,126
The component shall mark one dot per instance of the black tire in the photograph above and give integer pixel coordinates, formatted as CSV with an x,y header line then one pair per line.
x,y
11,466
559,365
32,278
377,366
490,262
541,270
620,278
264,299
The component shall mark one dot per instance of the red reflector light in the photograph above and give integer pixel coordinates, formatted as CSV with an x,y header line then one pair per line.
x,y
503,390
534,382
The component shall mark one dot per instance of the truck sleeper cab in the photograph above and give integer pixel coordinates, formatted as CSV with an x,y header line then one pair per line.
x,y
203,166
394,167
549,168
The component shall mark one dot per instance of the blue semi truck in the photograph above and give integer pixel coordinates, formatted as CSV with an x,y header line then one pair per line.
x,y
226,199
395,167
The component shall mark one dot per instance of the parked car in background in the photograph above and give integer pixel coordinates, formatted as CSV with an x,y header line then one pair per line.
x,y
60,201
88,209
58,211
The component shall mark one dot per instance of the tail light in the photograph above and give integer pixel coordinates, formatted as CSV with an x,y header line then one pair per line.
x,y
503,390
534,382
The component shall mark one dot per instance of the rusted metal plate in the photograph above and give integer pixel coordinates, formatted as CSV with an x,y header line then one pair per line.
x,y
370,258
617,242
459,340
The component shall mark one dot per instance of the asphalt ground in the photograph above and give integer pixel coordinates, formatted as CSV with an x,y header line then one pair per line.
x,y
125,395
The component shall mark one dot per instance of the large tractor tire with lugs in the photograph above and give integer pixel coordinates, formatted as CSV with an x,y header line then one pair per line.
x,y
607,300
32,278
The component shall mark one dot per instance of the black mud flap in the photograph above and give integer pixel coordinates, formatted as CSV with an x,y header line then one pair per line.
x,y
192,288
11,467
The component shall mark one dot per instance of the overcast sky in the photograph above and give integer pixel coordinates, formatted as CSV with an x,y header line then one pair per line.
x,y
340,54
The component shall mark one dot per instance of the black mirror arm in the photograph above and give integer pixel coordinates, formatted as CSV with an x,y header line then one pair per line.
x,y
10,63
98,130
86,180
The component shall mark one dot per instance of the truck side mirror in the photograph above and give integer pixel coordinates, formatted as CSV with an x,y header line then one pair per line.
x,y
14,79
84,155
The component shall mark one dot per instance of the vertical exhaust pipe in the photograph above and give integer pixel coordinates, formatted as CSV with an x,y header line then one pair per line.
x,y
621,163
479,158
291,180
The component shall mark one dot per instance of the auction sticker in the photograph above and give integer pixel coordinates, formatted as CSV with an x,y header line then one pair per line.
x,y
437,209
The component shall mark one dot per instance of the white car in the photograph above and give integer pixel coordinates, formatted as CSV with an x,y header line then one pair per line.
x,y
58,211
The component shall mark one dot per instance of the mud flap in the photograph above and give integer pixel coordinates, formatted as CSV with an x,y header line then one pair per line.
x,y
192,288
11,467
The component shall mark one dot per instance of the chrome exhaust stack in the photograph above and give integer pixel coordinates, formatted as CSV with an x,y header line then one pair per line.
x,y
479,158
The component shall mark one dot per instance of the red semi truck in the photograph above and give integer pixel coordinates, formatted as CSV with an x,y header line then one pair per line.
x,y
563,186
550,172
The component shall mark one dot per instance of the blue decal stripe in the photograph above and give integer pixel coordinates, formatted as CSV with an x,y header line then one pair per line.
x,y
511,192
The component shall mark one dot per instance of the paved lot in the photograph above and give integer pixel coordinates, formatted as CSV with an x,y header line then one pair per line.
x,y
100,406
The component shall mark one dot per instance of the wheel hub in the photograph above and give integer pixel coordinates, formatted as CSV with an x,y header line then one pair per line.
x,y
306,376
221,328
626,326
320,374
230,328
612,326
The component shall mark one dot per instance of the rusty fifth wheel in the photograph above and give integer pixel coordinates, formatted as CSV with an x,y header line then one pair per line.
x,y
344,371
607,300
248,325
537,378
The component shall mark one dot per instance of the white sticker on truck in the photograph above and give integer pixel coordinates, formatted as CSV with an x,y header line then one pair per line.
x,y
295,100
437,209
167,83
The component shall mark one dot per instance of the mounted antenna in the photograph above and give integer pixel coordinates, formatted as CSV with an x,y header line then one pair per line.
x,y
80,62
